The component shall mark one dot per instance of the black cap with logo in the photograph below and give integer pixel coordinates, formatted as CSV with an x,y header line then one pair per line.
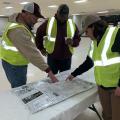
x,y
63,10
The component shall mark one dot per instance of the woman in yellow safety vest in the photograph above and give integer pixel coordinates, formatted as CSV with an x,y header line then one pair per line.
x,y
104,54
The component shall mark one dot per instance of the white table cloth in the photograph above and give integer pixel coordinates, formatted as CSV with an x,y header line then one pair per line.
x,y
11,107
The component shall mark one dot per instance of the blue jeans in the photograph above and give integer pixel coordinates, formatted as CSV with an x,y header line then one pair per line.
x,y
17,75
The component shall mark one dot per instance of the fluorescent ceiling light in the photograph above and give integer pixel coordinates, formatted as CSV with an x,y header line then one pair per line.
x,y
52,6
103,11
80,1
2,15
23,3
9,7
76,14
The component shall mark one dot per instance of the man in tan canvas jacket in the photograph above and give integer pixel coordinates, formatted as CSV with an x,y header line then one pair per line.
x,y
18,48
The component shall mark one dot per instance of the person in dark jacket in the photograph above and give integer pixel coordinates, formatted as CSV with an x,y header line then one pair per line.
x,y
56,38
104,55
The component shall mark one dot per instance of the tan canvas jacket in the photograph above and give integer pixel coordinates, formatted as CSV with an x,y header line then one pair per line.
x,y
22,41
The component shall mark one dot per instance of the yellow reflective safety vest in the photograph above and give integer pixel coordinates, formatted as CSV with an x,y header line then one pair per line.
x,y
49,40
8,51
106,62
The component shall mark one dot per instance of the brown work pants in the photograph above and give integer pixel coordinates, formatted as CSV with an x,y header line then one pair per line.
x,y
110,104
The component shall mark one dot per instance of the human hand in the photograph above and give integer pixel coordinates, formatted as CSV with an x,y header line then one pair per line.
x,y
52,77
70,77
117,91
68,41
44,52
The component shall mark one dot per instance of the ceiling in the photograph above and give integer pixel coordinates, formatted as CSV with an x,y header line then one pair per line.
x,y
91,6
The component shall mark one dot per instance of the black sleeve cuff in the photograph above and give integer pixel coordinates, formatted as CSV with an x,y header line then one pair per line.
x,y
87,64
75,72
119,83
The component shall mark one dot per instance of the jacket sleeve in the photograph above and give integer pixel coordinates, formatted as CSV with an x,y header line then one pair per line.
x,y
87,64
116,47
76,38
22,41
41,32
119,83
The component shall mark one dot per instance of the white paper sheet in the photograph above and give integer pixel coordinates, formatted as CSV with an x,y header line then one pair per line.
x,y
40,95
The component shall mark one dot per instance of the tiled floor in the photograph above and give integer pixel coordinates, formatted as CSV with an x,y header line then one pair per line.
x,y
35,74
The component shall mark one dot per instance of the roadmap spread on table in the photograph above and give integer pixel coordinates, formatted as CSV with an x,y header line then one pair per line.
x,y
42,94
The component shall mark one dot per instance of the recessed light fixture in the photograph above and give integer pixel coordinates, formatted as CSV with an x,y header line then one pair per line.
x,y
106,11
9,7
24,3
52,6
76,14
2,15
80,1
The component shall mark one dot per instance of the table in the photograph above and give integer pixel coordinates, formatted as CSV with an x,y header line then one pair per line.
x,y
13,109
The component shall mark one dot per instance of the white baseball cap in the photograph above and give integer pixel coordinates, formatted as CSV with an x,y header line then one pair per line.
x,y
33,8
90,19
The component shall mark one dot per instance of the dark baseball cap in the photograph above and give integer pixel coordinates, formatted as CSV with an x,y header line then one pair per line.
x,y
33,8
63,10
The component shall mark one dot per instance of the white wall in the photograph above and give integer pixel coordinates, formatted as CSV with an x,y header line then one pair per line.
x,y
79,19
3,21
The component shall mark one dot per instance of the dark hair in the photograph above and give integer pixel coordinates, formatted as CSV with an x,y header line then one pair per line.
x,y
99,29
23,11
63,9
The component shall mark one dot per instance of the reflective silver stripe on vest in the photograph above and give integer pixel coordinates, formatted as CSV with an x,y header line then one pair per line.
x,y
105,61
108,62
5,46
13,24
51,25
32,39
92,48
50,29
52,39
12,48
71,27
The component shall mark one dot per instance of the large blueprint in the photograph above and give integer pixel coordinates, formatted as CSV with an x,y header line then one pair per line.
x,y
42,94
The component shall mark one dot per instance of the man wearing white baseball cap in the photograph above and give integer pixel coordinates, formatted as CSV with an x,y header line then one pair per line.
x,y
18,48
